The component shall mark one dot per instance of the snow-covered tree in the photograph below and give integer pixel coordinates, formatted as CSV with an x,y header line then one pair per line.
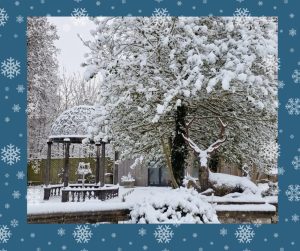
x,y
73,90
42,76
159,73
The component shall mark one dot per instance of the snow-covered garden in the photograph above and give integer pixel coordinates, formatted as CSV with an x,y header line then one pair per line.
x,y
163,120
162,205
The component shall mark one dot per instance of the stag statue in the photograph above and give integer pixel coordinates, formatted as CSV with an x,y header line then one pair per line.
x,y
204,155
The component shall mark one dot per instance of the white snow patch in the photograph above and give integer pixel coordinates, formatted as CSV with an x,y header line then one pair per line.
x,y
231,181
247,208
160,109
174,206
90,72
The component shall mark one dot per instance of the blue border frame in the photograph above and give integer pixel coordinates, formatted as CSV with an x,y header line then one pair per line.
x,y
13,227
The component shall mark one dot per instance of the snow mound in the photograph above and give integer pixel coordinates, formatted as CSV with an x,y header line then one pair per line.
x,y
178,206
232,182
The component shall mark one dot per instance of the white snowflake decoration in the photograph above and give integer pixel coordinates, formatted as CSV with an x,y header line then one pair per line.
x,y
163,234
82,234
292,32
10,154
20,88
5,234
20,175
223,231
97,224
296,76
19,19
257,223
241,17
281,84
160,12
14,223
61,231
295,218
142,231
293,106
16,108
10,68
16,194
241,12
3,17
160,15
244,234
296,162
80,16
293,192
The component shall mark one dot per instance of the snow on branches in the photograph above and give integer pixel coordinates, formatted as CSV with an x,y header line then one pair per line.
x,y
210,65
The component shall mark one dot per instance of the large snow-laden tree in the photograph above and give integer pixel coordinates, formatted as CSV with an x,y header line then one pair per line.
x,y
42,76
160,73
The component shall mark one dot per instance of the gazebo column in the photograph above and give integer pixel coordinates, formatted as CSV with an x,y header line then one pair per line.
x,y
102,166
116,168
47,189
65,195
97,162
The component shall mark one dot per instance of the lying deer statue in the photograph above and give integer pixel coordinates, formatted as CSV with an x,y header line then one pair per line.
x,y
204,155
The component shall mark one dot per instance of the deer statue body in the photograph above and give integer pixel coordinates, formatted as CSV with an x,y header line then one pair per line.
x,y
204,155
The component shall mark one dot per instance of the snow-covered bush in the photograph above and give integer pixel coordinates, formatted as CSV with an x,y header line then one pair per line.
x,y
188,178
225,183
180,205
272,189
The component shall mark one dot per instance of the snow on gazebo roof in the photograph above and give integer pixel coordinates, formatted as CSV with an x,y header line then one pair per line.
x,y
72,123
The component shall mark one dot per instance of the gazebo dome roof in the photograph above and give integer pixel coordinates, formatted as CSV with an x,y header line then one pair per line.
x,y
72,124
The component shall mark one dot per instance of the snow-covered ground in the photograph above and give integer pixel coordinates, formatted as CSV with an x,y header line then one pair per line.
x,y
36,204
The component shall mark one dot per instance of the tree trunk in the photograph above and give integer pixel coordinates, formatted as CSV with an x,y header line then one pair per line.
x,y
179,148
203,178
168,161
190,164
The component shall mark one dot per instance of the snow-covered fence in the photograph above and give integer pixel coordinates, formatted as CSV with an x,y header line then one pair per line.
x,y
82,193
126,194
56,190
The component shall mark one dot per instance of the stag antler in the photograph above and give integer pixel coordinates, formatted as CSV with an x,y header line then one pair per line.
x,y
220,141
188,125
213,146
192,144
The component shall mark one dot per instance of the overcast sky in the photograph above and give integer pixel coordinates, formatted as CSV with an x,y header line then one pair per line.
x,y
71,47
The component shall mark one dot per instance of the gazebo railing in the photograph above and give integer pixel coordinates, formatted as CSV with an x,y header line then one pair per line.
x,y
52,191
77,192
81,194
